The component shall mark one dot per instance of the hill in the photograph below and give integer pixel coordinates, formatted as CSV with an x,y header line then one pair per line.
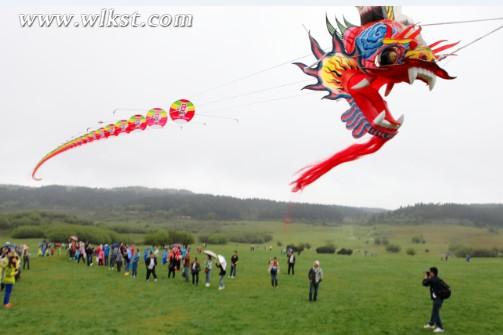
x,y
162,205
481,215
166,204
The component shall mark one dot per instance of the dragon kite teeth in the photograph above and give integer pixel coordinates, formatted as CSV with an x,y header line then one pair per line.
x,y
386,49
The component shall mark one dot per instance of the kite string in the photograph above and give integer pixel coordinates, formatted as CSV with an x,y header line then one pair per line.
x,y
460,22
476,40
316,62
253,74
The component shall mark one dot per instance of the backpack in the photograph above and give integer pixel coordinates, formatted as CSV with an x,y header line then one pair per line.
x,y
444,291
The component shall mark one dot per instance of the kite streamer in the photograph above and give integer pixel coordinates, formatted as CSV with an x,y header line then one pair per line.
x,y
181,111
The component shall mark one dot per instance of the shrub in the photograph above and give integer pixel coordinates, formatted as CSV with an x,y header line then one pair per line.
x,y
327,249
4,222
393,248
344,251
381,241
279,244
249,237
159,237
418,239
181,237
128,229
410,251
462,251
28,232
216,238
91,234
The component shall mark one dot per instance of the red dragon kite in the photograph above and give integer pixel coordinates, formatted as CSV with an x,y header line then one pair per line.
x,y
385,49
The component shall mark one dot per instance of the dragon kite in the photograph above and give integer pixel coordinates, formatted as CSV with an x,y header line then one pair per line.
x,y
386,49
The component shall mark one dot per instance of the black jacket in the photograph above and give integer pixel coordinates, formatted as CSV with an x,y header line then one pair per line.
x,y
434,284
147,262
195,269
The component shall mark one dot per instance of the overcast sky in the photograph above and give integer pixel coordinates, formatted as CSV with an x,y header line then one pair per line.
x,y
57,82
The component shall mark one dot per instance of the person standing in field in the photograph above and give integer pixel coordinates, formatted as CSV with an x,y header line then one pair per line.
x,y
134,264
26,257
207,270
195,269
113,257
101,256
439,291
315,276
127,260
106,253
164,258
4,261
291,262
151,263
118,260
234,264
10,269
89,254
186,266
221,265
171,264
274,271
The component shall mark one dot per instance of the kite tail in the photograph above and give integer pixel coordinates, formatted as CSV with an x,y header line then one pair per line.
x,y
355,151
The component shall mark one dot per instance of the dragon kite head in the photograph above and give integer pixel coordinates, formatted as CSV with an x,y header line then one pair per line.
x,y
386,49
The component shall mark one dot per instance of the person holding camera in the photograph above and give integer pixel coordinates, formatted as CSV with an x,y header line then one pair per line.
x,y
439,291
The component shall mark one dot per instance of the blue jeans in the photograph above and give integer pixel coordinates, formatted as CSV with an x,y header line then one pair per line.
x,y
233,270
208,276
274,279
313,291
435,313
8,291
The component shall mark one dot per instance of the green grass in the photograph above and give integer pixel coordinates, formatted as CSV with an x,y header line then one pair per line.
x,y
360,295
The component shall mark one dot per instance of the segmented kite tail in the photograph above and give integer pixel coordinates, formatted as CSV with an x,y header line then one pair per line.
x,y
311,173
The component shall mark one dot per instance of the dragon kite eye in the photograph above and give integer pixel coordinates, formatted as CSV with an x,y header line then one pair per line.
x,y
389,56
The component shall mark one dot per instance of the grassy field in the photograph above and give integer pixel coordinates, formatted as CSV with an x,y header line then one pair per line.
x,y
379,294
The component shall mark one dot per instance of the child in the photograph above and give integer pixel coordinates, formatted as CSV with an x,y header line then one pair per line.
x,y
195,269
151,263
221,274
274,271
186,267
134,264
164,258
207,270
118,261
9,279
172,265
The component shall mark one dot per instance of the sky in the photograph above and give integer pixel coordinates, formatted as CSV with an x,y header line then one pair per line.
x,y
55,83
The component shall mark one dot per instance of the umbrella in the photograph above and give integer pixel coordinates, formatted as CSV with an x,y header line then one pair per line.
x,y
75,238
210,253
222,262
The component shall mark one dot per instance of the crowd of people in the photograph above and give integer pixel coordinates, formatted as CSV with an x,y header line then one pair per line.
x,y
125,258
122,257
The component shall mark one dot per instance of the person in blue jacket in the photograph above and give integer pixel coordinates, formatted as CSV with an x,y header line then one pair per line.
x,y
134,264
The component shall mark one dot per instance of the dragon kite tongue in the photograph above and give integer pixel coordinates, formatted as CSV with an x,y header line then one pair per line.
x,y
384,50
